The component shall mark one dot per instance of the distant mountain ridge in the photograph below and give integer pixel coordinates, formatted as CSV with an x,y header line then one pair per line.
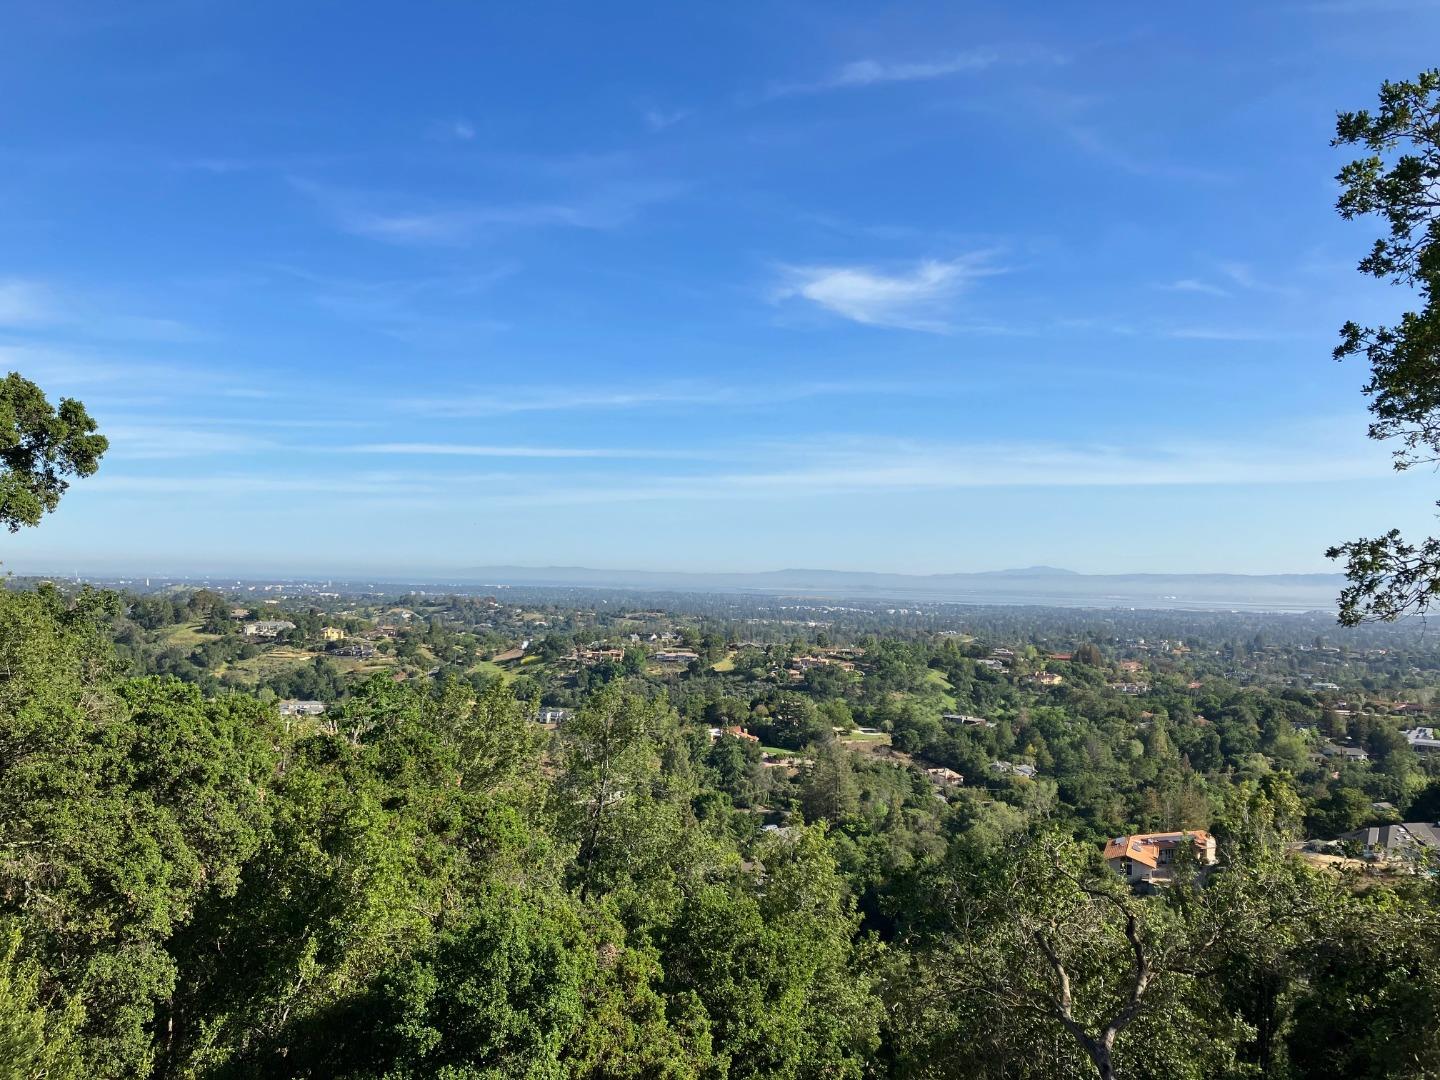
x,y
1043,585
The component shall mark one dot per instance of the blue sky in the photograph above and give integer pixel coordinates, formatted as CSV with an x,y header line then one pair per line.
x,y
913,287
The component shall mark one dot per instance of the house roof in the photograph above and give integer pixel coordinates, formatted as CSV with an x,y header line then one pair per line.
x,y
1390,837
1145,848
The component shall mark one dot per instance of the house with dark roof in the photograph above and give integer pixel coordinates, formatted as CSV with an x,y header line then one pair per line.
x,y
1424,740
1388,841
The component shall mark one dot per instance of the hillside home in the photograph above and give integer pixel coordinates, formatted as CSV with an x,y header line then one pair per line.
x,y
268,628
1149,858
1422,740
1385,841
1010,768
735,731
967,721
294,707
1347,753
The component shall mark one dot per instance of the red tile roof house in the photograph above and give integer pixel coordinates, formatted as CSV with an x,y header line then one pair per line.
x,y
1150,857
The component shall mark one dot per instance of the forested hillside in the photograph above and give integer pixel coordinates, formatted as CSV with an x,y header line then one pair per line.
x,y
425,881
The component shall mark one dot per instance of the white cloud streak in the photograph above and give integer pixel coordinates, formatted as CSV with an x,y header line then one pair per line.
x,y
396,220
915,300
428,449
1194,285
24,303
868,71
675,395
841,467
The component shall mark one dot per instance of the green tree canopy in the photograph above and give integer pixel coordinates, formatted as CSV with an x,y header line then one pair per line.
x,y
1397,180
40,447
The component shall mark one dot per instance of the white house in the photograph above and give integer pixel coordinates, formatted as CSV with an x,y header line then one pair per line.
x,y
268,628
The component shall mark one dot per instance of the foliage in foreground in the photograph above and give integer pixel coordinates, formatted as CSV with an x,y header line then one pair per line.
x,y
422,887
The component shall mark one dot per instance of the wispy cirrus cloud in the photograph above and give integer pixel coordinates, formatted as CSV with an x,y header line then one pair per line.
x,y
916,299
867,466
660,119
432,449
869,71
161,442
1194,285
1106,150
665,395
30,305
25,303
1229,333
400,220
1307,452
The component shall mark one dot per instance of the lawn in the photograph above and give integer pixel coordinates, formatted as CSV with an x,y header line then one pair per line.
x,y
274,661
939,682
485,667
184,636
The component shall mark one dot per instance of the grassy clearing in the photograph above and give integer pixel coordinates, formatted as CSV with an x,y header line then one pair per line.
x,y
271,662
941,684
184,636
865,744
728,664
354,665
486,667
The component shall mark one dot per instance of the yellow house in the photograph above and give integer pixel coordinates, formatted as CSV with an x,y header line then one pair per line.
x,y
332,633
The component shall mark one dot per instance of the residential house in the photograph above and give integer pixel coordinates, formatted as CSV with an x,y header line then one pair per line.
x,y
268,628
944,777
967,721
1012,768
359,650
332,633
1348,753
554,716
1386,841
1150,857
678,656
295,707
1134,689
735,731
1422,740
